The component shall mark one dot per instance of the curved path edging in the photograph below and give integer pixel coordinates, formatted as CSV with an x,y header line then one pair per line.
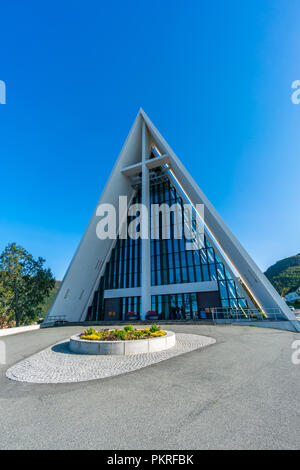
x,y
57,364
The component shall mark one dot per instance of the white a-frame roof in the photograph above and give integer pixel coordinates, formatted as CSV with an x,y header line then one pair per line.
x,y
88,263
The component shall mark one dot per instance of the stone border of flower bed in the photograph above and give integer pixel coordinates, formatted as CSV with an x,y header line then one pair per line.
x,y
121,348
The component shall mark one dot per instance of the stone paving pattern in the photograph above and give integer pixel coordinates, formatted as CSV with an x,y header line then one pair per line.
x,y
57,364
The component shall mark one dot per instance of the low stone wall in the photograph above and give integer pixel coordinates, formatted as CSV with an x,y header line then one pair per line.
x,y
121,348
278,325
20,329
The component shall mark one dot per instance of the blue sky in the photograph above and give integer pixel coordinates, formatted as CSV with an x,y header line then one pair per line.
x,y
215,78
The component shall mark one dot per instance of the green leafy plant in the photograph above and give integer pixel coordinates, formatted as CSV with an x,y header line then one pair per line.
x,y
121,334
138,334
154,328
90,331
128,328
128,333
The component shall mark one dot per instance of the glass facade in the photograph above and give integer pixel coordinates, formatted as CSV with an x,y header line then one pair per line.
x,y
124,268
181,307
122,271
131,304
171,263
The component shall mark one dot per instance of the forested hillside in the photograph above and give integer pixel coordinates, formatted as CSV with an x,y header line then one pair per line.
x,y
285,274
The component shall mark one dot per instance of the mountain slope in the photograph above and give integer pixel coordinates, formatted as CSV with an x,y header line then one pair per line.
x,y
285,274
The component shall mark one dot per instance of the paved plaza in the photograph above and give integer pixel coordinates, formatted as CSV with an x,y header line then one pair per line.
x,y
240,393
58,364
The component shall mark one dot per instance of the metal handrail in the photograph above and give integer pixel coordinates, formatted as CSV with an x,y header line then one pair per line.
x,y
55,318
247,314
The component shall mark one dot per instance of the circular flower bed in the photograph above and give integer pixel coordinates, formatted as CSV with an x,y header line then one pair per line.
x,y
128,333
122,342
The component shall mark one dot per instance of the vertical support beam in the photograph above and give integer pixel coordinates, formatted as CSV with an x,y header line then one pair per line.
x,y
146,260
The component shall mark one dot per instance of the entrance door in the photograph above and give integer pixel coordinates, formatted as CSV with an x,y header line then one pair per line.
x,y
112,309
206,302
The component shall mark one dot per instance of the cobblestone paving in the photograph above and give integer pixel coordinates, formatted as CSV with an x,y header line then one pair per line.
x,y
58,364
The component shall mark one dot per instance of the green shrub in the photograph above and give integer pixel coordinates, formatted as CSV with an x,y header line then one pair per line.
x,y
154,328
90,331
138,334
121,334
128,328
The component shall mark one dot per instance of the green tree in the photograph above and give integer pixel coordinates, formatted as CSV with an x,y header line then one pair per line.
x,y
6,296
24,284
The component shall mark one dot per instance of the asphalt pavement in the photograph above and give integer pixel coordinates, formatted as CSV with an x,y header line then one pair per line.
x,y
241,393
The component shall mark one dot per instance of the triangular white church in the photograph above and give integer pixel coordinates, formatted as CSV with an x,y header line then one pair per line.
x,y
124,278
